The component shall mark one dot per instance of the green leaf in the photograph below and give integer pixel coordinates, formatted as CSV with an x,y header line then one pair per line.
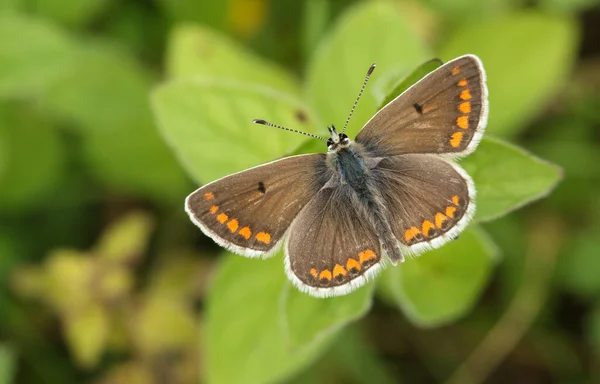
x,y
7,364
527,58
86,331
33,55
33,158
444,284
69,12
106,90
507,177
211,13
580,267
309,319
209,125
245,338
370,32
568,5
411,79
198,51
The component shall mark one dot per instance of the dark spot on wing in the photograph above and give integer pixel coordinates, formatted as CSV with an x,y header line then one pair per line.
x,y
261,187
418,108
301,116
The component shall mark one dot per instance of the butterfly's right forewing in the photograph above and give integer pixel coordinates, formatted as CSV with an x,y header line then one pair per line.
x,y
249,212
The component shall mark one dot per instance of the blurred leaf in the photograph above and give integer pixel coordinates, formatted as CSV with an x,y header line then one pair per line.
x,y
370,32
7,364
443,284
471,9
135,159
86,331
245,340
106,90
309,319
33,161
527,58
580,265
69,12
211,13
567,5
126,239
411,79
197,51
507,177
245,18
593,327
69,278
209,125
40,56
155,332
130,373
314,22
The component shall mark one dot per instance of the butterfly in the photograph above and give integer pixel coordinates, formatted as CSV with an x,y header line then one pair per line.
x,y
392,192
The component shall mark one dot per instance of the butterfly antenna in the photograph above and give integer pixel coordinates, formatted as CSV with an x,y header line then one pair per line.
x,y
369,72
264,122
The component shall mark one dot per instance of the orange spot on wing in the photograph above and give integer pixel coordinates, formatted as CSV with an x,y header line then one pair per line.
x,y
456,139
222,218
339,270
233,225
463,82
450,212
411,233
465,107
427,226
263,237
455,200
463,122
245,232
455,71
440,218
313,272
352,264
209,196
365,256
465,95
326,274
213,209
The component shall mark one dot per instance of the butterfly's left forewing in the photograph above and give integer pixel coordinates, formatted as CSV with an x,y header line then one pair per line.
x,y
249,212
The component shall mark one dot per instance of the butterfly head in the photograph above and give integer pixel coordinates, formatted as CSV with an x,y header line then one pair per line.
x,y
337,141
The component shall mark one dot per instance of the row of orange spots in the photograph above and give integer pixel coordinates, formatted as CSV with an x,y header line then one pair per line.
x,y
440,219
455,139
464,107
233,224
352,266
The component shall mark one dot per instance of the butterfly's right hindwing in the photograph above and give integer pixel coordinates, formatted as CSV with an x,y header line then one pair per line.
x,y
249,212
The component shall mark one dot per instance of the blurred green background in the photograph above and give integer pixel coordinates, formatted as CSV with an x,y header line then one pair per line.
x,y
112,111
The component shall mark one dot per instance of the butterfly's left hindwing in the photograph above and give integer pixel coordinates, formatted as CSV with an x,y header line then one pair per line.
x,y
249,212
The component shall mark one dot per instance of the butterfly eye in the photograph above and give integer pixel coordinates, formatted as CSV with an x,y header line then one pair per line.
x,y
329,142
344,138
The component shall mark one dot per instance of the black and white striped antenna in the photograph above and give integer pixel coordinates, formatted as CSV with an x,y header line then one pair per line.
x,y
264,122
369,72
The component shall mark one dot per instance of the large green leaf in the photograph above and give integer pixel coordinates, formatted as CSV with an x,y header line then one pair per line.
x,y
69,12
33,158
209,125
371,32
245,339
309,319
507,177
527,57
442,285
198,51
33,55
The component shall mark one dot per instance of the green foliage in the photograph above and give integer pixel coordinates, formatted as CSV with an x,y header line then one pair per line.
x,y
6,364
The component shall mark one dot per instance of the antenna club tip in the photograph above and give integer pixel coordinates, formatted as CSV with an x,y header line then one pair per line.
x,y
371,69
260,121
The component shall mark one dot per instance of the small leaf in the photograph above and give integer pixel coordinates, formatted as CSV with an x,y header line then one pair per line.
x,y
33,158
370,32
86,331
411,79
33,55
527,57
245,340
126,239
209,125
444,284
507,177
308,318
7,364
198,51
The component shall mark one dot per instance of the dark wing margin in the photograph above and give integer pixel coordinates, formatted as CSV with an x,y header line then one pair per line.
x,y
332,247
444,113
430,200
249,212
